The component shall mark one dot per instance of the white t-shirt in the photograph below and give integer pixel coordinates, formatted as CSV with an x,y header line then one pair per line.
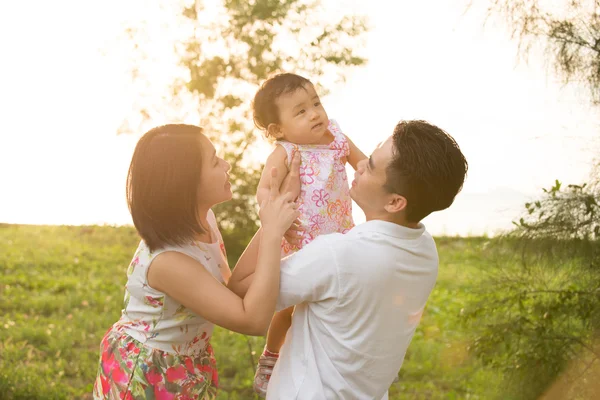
x,y
359,298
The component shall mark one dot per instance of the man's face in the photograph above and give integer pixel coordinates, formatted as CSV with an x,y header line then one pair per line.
x,y
367,187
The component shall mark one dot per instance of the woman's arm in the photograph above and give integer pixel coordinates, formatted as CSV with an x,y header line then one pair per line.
x,y
244,269
189,283
243,273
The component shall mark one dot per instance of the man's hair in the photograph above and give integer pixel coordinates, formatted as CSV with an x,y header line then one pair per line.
x,y
264,106
163,185
427,168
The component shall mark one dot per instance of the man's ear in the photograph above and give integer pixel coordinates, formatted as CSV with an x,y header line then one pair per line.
x,y
396,203
274,131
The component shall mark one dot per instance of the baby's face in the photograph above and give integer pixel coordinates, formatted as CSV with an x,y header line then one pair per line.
x,y
303,119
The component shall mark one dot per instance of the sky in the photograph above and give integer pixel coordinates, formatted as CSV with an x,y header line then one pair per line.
x,y
64,92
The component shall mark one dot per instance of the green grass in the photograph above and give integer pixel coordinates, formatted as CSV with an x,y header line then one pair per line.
x,y
62,288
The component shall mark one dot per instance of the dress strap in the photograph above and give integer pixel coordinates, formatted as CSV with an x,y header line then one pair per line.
x,y
290,150
340,142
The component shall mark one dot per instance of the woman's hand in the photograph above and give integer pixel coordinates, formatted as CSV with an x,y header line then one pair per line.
x,y
278,211
291,182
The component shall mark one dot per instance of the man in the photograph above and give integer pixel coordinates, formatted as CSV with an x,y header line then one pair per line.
x,y
359,296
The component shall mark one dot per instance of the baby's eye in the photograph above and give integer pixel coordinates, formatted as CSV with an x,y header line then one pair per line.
x,y
317,104
300,112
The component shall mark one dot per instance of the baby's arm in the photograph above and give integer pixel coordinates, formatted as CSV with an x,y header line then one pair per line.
x,y
355,154
278,160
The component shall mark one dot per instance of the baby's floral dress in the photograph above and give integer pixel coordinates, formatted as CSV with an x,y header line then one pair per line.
x,y
159,349
324,203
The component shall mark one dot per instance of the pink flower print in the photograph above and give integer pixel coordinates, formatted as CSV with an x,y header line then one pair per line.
x,y
144,324
215,377
313,158
316,221
345,208
153,376
331,182
307,174
189,365
119,376
176,373
333,209
132,265
222,246
109,363
155,302
127,396
161,393
341,147
320,197
105,384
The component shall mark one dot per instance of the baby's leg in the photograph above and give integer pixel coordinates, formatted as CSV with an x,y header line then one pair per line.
x,y
280,324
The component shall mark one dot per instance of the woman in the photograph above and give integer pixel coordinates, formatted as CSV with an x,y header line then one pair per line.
x,y
175,292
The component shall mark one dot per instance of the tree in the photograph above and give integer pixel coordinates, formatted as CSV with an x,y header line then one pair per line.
x,y
223,53
543,330
568,31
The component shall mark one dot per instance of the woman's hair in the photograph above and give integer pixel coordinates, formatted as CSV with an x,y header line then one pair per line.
x,y
163,185
264,106
427,168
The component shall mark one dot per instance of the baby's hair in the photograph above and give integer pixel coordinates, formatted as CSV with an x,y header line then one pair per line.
x,y
264,108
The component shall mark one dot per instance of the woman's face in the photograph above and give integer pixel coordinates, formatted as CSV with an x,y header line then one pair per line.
x,y
214,187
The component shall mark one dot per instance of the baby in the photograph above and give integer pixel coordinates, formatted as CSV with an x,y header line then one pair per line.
x,y
288,109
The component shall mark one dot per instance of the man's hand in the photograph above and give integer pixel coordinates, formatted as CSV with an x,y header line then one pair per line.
x,y
294,235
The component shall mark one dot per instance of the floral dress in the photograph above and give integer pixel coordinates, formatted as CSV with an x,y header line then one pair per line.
x,y
324,203
159,349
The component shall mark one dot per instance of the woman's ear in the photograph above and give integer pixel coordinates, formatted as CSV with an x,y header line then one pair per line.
x,y
274,131
396,204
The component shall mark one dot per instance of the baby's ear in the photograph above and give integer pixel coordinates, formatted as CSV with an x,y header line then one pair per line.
x,y
274,131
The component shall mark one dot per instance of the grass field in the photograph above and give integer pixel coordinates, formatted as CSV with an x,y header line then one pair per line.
x,y
62,288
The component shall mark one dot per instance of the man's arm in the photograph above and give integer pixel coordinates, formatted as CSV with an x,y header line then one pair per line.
x,y
309,275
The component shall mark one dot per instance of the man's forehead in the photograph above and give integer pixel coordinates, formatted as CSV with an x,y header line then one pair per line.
x,y
384,142
382,152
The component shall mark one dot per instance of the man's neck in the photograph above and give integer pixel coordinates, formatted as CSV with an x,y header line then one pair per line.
x,y
393,218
